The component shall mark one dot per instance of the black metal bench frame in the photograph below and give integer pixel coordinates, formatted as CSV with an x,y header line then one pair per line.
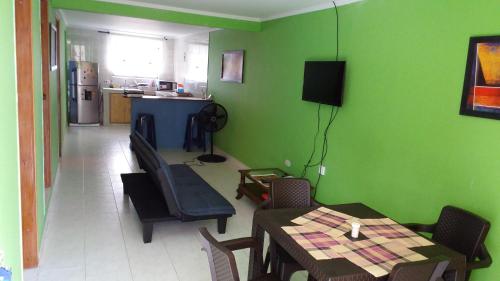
x,y
152,208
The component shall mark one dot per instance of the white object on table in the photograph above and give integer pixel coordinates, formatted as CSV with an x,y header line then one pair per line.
x,y
355,229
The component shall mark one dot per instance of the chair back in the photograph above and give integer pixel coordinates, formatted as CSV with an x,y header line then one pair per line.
x,y
290,193
428,270
461,231
221,259
145,125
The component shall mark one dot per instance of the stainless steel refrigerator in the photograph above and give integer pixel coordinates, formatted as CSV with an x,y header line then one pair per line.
x,y
84,97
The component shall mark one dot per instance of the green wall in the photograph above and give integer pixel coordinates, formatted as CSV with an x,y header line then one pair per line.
x,y
64,81
398,143
155,14
10,234
54,122
38,87
38,92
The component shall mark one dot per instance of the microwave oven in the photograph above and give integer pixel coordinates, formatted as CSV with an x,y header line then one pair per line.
x,y
166,85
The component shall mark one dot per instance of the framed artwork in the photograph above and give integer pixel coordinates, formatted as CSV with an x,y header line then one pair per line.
x,y
53,47
232,66
481,93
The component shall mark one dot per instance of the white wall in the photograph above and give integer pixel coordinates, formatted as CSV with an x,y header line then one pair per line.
x,y
96,47
181,58
175,64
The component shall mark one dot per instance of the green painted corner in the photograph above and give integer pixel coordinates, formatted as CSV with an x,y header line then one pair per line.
x,y
54,104
155,14
398,143
64,81
38,93
39,132
10,217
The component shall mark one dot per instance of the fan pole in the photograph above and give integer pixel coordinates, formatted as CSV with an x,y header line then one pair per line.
x,y
211,125
211,143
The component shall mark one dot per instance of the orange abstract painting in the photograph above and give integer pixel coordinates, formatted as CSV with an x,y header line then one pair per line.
x,y
481,95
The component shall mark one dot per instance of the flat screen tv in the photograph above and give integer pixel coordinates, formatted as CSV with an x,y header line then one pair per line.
x,y
324,82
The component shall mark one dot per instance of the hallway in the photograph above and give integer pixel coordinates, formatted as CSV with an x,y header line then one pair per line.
x,y
92,232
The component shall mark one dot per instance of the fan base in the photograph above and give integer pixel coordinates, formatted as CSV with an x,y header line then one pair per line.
x,y
211,158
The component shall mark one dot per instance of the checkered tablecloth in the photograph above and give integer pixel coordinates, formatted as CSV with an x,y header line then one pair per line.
x,y
323,233
390,229
328,221
316,243
377,255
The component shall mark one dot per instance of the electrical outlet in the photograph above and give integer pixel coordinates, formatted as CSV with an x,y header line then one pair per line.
x,y
288,163
322,170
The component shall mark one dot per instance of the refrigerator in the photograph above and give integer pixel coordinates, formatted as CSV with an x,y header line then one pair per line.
x,y
83,91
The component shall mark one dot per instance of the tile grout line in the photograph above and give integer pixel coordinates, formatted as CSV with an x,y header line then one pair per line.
x,y
85,218
119,217
170,258
162,241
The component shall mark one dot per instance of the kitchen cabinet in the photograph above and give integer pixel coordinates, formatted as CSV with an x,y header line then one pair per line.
x,y
119,109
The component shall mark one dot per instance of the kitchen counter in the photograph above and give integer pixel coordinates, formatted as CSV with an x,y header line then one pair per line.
x,y
147,91
149,95
166,97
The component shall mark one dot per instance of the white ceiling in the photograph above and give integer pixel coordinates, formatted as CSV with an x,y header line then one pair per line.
x,y
128,25
254,10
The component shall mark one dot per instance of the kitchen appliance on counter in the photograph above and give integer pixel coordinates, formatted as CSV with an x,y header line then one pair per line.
x,y
166,85
84,98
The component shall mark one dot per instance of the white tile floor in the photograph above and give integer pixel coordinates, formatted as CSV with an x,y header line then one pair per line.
x,y
92,232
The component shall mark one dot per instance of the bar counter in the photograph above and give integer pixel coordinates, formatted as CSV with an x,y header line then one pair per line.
x,y
170,114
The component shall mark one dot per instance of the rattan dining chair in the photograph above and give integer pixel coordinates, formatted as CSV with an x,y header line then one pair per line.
x,y
221,258
463,232
287,193
428,270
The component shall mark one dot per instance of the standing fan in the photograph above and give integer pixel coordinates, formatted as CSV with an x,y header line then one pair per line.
x,y
212,118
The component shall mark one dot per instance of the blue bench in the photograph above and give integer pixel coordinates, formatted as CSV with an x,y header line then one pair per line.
x,y
171,192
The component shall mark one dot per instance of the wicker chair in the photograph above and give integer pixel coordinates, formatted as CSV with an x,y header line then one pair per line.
x,y
428,270
287,193
463,232
221,258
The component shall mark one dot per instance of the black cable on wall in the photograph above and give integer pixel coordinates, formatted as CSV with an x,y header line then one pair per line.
x,y
333,114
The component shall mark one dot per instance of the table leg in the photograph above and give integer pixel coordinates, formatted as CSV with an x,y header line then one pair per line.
x,y
242,183
460,275
239,194
256,266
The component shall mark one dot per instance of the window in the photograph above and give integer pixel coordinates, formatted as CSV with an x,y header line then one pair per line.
x,y
197,63
78,52
134,56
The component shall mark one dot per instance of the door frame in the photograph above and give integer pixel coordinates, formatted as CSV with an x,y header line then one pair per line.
x,y
26,131
47,143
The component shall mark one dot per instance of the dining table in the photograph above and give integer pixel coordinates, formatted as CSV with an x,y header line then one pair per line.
x,y
271,221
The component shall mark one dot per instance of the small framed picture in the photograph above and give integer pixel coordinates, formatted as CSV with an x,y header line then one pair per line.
x,y
53,47
232,66
481,93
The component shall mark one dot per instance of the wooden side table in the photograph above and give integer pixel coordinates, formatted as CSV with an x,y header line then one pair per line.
x,y
259,183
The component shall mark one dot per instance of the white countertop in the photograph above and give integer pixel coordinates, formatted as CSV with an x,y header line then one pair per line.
x,y
146,97
146,92
159,95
